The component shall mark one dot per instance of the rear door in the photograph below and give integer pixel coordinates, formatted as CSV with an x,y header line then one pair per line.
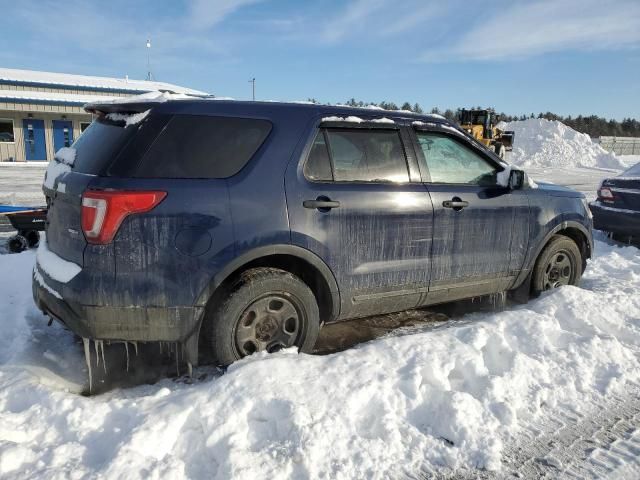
x,y
481,229
354,203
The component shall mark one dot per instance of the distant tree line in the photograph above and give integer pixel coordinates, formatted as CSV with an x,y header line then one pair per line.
x,y
593,125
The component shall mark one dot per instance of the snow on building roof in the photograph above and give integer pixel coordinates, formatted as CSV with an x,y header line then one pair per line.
x,y
32,77
27,96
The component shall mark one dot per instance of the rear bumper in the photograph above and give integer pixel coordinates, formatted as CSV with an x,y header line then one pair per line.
x,y
100,322
615,220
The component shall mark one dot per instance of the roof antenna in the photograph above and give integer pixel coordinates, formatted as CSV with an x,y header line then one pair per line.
x,y
149,59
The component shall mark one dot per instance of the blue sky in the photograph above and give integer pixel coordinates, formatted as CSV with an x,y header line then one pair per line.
x,y
565,56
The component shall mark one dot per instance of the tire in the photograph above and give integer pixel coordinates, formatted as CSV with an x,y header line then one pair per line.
x,y
264,309
500,149
33,238
17,244
559,263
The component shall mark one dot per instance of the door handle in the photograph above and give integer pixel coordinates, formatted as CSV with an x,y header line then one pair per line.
x,y
321,204
455,203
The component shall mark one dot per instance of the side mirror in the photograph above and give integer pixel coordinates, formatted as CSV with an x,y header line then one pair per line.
x,y
516,179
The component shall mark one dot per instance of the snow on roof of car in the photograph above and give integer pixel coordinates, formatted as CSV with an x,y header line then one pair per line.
x,y
126,84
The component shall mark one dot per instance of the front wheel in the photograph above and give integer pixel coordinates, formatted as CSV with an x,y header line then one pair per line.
x,y
560,263
266,309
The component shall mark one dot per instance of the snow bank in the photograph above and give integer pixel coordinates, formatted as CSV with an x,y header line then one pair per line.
x,y
413,403
546,143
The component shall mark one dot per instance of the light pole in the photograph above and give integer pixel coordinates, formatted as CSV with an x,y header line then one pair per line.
x,y
253,87
148,59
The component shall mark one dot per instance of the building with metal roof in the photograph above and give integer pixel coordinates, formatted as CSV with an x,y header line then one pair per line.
x,y
41,112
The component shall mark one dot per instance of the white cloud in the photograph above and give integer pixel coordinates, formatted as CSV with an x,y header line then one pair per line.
x,y
207,13
351,20
546,26
369,18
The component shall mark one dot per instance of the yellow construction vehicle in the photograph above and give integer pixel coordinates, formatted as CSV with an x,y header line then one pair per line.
x,y
482,125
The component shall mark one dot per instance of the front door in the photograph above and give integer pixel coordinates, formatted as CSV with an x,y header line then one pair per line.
x,y
481,228
62,134
353,204
34,144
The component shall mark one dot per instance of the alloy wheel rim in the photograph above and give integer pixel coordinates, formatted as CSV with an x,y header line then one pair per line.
x,y
558,271
270,323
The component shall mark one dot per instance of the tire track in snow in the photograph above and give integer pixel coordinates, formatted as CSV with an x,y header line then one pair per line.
x,y
603,442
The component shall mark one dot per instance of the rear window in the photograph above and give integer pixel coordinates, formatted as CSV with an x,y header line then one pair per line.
x,y
632,172
193,146
99,144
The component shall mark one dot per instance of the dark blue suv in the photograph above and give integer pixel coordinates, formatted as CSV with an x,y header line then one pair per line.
x,y
233,227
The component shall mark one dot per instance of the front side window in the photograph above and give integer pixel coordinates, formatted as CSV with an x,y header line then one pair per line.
x,y
6,131
449,161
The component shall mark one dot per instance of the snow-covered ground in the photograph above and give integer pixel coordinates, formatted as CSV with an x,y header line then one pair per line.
x,y
447,398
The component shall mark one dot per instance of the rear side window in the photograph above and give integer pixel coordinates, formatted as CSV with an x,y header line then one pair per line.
x,y
194,146
99,144
633,171
318,165
357,155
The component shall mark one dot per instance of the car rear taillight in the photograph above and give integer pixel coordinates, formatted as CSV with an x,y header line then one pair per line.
x,y
606,195
104,210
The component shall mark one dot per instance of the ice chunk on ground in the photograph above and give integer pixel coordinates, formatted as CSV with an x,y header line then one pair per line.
x,y
57,268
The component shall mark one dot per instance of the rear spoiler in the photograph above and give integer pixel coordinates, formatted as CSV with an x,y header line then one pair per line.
x,y
126,108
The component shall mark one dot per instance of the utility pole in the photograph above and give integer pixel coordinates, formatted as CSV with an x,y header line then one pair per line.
x,y
148,59
253,87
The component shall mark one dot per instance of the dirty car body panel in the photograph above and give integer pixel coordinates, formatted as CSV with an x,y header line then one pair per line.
x,y
384,243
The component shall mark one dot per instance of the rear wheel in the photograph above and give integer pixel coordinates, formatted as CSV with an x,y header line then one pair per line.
x,y
33,238
17,244
266,309
560,263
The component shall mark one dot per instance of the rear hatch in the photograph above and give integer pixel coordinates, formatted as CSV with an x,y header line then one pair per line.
x,y
73,171
625,189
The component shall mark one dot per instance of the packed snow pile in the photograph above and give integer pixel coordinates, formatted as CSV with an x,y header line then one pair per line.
x,y
415,402
550,143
